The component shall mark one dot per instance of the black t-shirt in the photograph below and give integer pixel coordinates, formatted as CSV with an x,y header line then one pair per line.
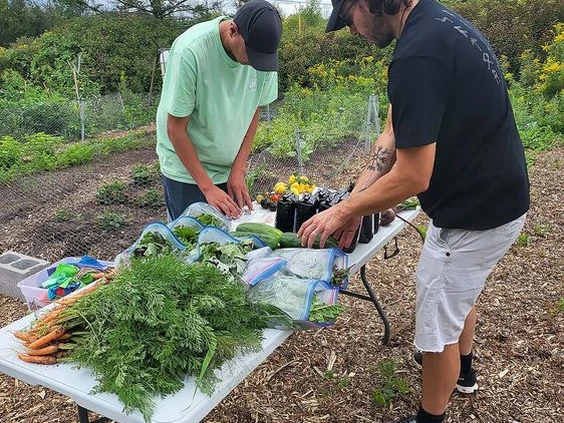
x,y
445,86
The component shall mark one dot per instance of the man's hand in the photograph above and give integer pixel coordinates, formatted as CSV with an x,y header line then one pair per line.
x,y
345,234
222,201
237,188
325,224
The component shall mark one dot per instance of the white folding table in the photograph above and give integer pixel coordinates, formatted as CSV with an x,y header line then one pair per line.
x,y
187,405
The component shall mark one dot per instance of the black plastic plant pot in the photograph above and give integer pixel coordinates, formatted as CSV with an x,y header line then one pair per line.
x,y
285,215
376,222
304,211
366,229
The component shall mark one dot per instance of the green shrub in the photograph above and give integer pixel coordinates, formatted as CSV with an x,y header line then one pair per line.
x,y
75,154
11,153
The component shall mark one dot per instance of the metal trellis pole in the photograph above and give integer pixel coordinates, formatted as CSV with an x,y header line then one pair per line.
x,y
299,151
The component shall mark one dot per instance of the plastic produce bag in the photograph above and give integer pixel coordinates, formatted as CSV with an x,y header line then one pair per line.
x,y
156,238
207,215
310,263
261,268
299,299
191,224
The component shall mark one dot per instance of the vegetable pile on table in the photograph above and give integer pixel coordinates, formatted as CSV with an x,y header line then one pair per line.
x,y
159,320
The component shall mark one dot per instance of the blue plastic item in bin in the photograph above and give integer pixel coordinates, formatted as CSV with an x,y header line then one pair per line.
x,y
37,297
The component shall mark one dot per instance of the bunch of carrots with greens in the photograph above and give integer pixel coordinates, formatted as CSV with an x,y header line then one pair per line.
x,y
48,339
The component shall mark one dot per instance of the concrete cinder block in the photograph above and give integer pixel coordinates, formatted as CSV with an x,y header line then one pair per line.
x,y
15,267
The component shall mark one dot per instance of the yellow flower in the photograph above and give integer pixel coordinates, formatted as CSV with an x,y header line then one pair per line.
x,y
292,179
280,187
295,190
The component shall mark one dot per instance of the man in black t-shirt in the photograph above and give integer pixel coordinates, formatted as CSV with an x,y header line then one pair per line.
x,y
451,139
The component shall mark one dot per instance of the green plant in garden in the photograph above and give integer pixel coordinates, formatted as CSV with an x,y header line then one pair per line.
x,y
144,175
76,154
109,220
112,193
63,215
11,153
152,198
391,385
542,230
523,239
560,305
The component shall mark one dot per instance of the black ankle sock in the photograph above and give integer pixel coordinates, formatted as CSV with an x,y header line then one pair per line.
x,y
424,417
466,363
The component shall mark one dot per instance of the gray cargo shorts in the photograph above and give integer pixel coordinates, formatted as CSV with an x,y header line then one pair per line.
x,y
451,274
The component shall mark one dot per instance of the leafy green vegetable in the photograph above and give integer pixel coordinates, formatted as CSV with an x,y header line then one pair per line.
x,y
159,320
322,313
186,234
209,220
153,244
228,258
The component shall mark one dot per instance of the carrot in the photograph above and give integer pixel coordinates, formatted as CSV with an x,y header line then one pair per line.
x,y
52,349
62,354
97,275
65,337
24,336
51,316
37,359
55,334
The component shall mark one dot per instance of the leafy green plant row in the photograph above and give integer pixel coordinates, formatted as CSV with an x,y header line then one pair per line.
x,y
42,152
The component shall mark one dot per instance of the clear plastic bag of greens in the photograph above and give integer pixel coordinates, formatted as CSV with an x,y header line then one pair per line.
x,y
207,215
186,230
261,268
317,264
308,303
156,239
228,254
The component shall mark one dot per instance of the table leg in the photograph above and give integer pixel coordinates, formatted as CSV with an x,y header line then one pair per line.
x,y
83,416
372,298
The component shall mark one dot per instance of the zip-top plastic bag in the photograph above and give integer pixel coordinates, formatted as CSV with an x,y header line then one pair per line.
x,y
308,303
186,230
156,239
317,264
261,268
207,215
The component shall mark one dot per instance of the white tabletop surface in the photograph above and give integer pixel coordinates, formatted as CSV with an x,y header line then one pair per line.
x,y
184,406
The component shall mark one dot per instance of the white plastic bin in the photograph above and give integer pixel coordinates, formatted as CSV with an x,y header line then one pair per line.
x,y
37,297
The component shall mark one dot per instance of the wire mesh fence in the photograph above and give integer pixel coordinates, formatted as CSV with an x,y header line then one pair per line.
x,y
100,207
76,120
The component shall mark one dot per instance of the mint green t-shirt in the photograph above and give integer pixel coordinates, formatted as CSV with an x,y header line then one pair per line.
x,y
220,96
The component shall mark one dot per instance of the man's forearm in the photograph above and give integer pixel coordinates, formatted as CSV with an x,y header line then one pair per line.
x,y
380,162
382,157
245,149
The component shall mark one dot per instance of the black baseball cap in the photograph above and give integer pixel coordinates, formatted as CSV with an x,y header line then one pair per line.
x,y
335,22
260,26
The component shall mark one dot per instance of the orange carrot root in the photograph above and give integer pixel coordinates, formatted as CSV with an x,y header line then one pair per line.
x,y
37,359
52,349
55,334
26,337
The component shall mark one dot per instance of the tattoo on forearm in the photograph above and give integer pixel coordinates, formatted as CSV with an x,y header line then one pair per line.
x,y
379,159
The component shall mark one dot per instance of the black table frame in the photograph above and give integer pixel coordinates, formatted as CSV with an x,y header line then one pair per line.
x,y
372,296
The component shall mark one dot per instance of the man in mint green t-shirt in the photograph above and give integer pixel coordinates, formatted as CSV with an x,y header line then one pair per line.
x,y
209,108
